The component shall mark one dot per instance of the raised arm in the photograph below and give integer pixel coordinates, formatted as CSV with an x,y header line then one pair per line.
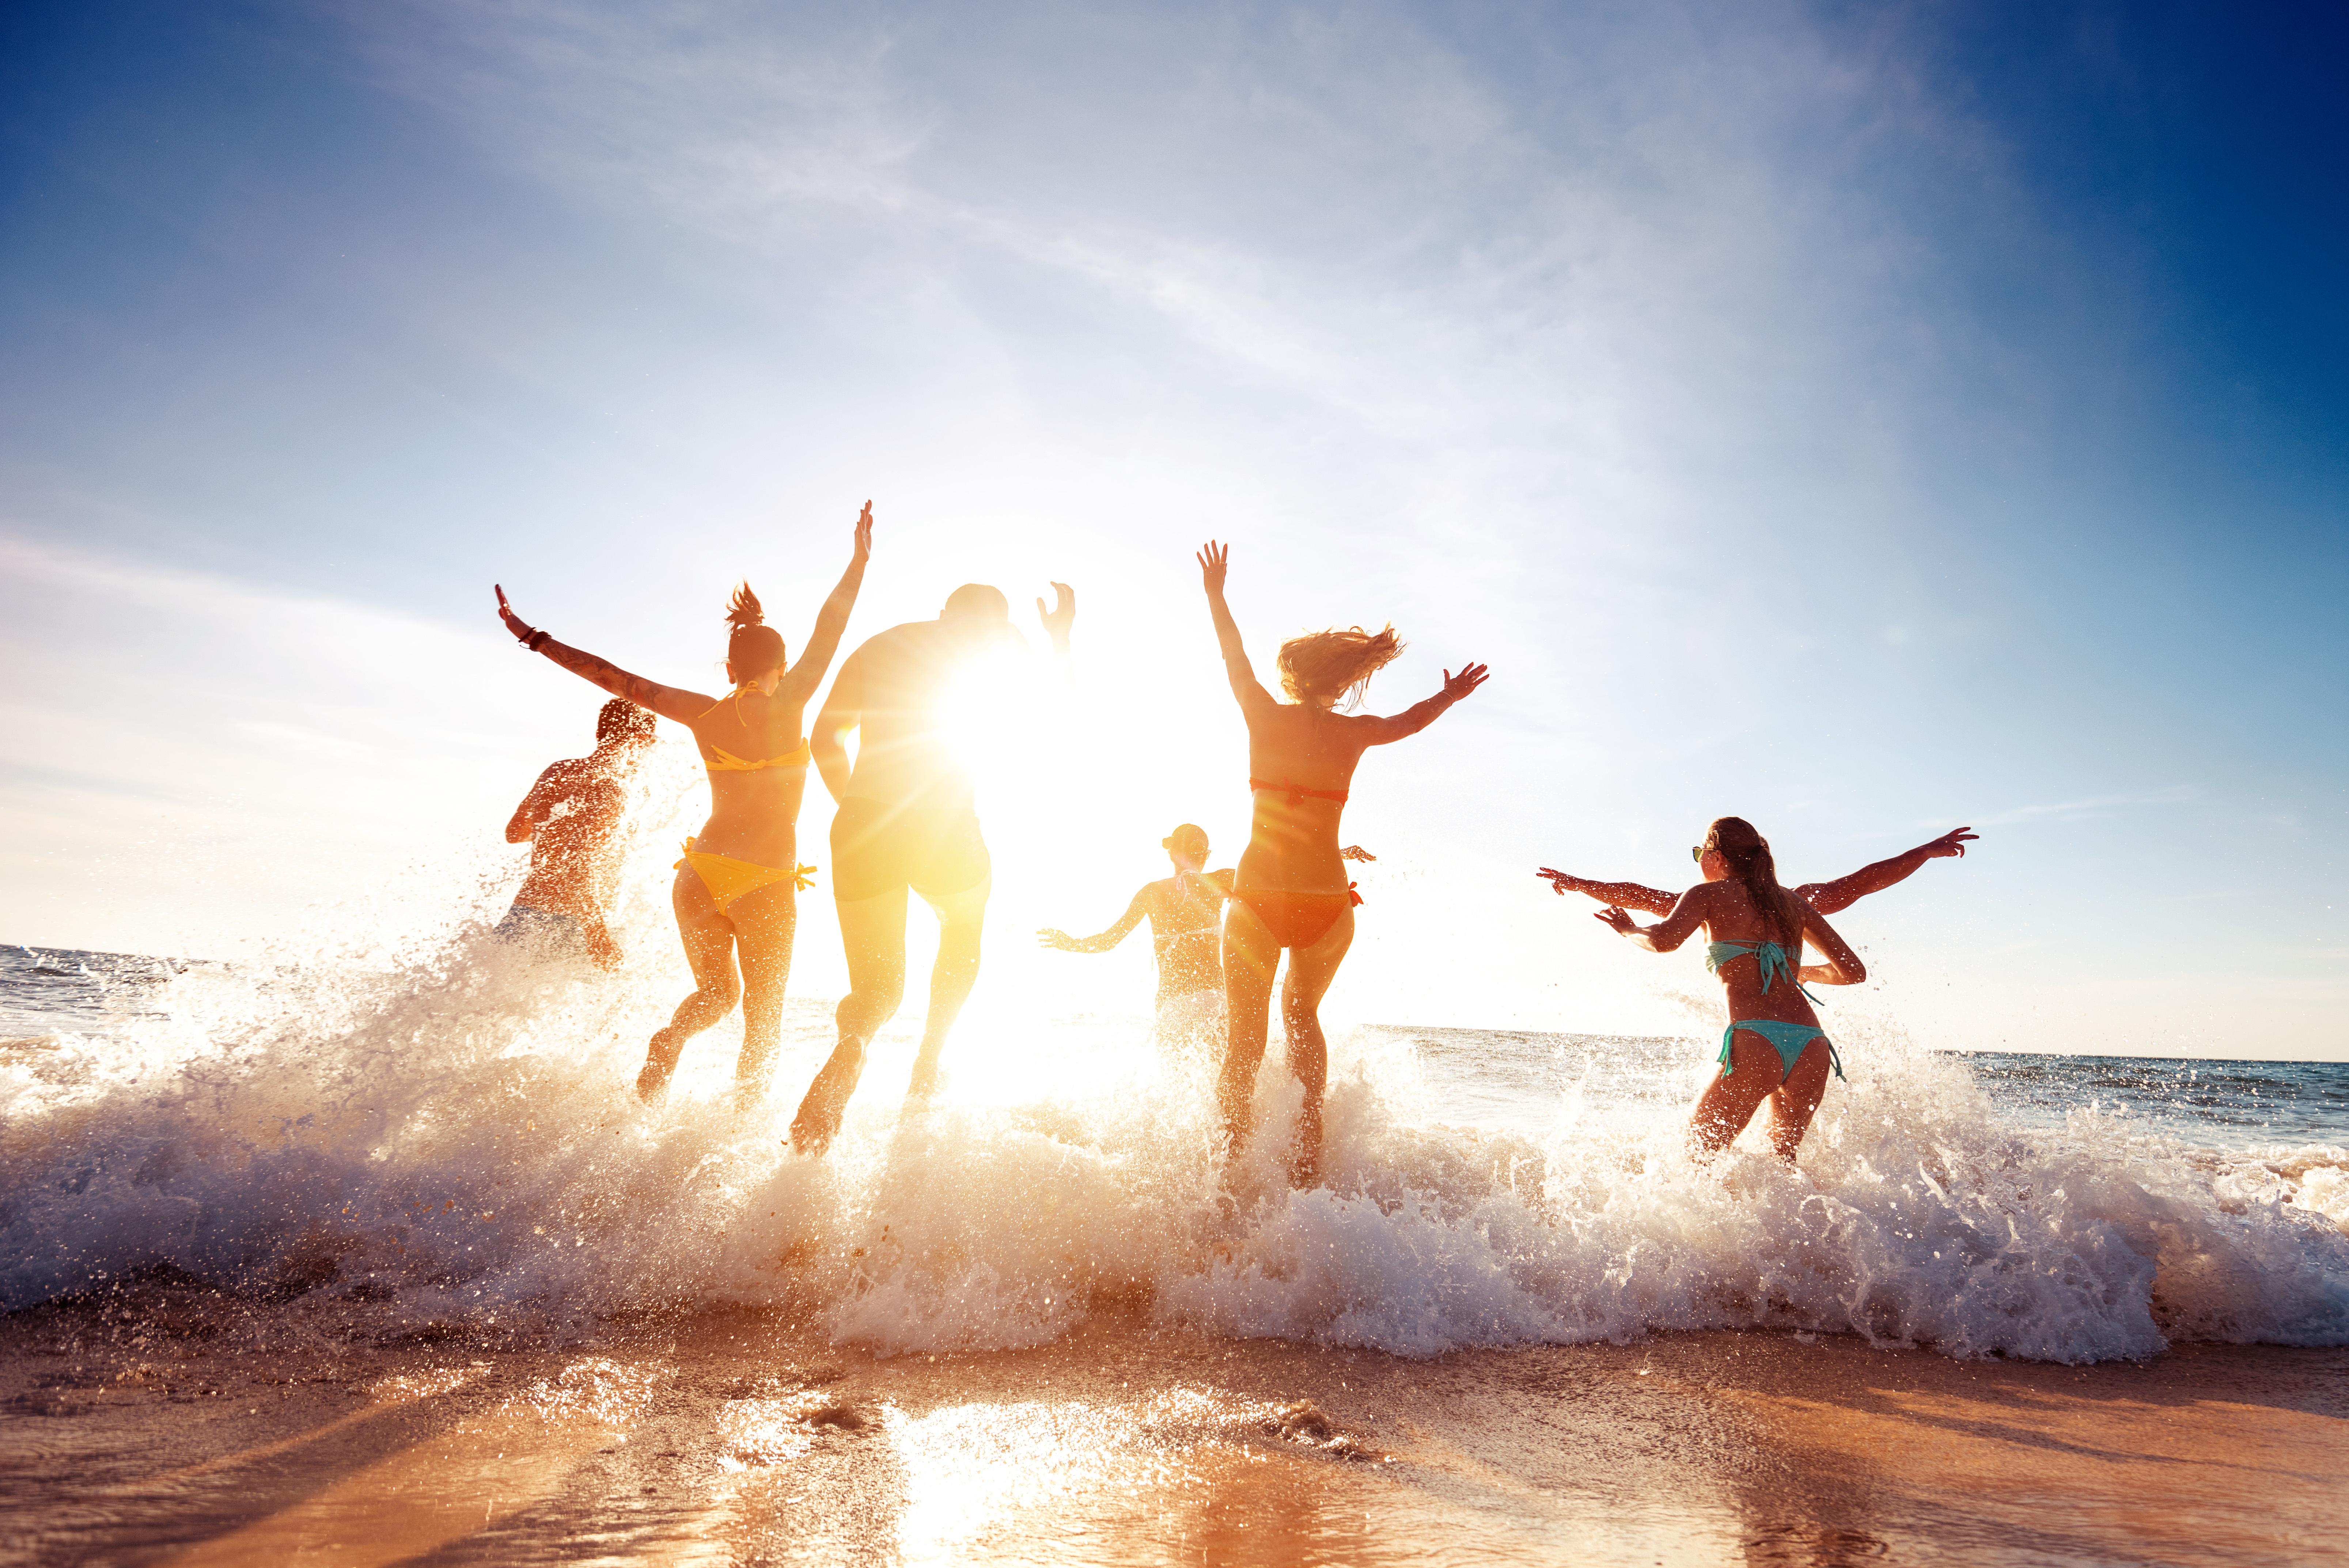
x,y
1420,715
1213,560
1101,942
1828,897
1671,931
668,701
841,712
815,657
1626,895
1842,966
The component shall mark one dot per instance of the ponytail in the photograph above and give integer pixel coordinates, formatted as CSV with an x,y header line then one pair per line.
x,y
753,647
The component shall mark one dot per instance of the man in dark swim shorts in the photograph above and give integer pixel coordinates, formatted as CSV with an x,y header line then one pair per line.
x,y
906,823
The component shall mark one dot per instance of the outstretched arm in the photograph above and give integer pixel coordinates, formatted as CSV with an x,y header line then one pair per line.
x,y
1214,560
832,620
1420,715
1627,895
1669,932
668,701
1101,942
1842,966
1828,897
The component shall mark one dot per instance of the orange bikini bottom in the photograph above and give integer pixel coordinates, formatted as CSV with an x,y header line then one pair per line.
x,y
1299,919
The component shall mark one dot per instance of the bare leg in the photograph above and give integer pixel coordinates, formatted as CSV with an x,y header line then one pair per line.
x,y
1730,1101
962,916
765,922
1250,957
873,933
708,939
1311,971
1794,1102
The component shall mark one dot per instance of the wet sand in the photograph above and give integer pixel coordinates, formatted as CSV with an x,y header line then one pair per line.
x,y
169,1424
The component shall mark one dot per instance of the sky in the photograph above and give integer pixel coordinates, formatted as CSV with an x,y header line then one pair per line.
x,y
1865,419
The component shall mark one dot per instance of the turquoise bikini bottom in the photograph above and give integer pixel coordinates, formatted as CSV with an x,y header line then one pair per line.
x,y
1790,1040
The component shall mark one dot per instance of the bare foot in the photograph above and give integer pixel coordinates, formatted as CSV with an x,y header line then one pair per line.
x,y
820,1115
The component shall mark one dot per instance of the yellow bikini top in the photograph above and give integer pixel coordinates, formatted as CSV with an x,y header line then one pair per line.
x,y
728,762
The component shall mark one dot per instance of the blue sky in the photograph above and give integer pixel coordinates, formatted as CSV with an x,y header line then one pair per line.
x,y
1864,419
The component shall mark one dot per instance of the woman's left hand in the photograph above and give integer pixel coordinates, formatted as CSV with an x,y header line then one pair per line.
x,y
523,630
1456,687
1616,920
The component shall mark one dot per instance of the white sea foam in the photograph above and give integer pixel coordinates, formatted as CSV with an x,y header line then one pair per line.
x,y
450,1125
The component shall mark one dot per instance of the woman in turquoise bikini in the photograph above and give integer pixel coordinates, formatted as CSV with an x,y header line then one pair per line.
x,y
1774,1048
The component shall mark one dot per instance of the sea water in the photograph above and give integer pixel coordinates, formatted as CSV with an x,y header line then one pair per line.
x,y
445,1129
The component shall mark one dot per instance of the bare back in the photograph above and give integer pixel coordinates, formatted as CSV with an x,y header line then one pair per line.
x,y
1293,835
753,813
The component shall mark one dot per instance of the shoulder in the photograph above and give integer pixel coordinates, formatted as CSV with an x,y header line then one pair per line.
x,y
1223,878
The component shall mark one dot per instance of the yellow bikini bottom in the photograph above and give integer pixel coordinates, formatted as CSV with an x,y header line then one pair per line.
x,y
729,878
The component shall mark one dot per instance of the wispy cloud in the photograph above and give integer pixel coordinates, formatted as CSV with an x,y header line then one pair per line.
x,y
2089,806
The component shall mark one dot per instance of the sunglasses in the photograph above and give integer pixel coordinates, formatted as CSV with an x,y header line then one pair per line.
x,y
1696,853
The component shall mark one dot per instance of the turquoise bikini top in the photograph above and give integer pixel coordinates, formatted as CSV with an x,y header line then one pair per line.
x,y
1768,957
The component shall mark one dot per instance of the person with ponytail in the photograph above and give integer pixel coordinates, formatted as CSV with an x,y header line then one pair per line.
x,y
736,892
1291,890
1774,1048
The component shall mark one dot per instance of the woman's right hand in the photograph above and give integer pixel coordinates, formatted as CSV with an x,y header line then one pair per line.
x,y
1616,920
863,551
1560,882
1049,938
1213,560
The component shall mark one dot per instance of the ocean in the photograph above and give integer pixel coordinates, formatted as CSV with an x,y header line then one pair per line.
x,y
449,1132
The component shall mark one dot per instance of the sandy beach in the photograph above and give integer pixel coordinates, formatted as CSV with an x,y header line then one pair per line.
x,y
171,1424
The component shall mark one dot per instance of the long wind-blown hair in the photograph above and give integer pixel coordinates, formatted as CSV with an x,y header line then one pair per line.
x,y
1335,665
1747,855
753,647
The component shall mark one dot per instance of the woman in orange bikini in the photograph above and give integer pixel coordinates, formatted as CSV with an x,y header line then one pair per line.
x,y
1292,891
737,889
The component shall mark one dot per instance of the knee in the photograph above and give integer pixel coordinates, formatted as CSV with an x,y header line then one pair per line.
x,y
721,992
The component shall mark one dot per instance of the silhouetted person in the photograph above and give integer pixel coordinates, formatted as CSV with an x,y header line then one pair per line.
x,y
907,822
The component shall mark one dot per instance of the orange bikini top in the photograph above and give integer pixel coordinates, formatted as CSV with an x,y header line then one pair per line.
x,y
1295,792
728,762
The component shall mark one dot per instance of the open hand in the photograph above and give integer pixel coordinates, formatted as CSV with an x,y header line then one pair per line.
x,y
1560,882
1051,938
1615,921
864,549
523,630
1456,687
1214,560
1355,852
1953,842
1061,616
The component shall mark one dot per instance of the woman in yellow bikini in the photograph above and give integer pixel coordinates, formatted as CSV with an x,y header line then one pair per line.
x,y
1291,890
737,889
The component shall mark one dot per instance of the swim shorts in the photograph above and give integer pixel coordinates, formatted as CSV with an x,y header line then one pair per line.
x,y
879,846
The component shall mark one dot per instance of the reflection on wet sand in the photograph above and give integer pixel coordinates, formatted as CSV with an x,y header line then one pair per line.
x,y
742,1436
451,1485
